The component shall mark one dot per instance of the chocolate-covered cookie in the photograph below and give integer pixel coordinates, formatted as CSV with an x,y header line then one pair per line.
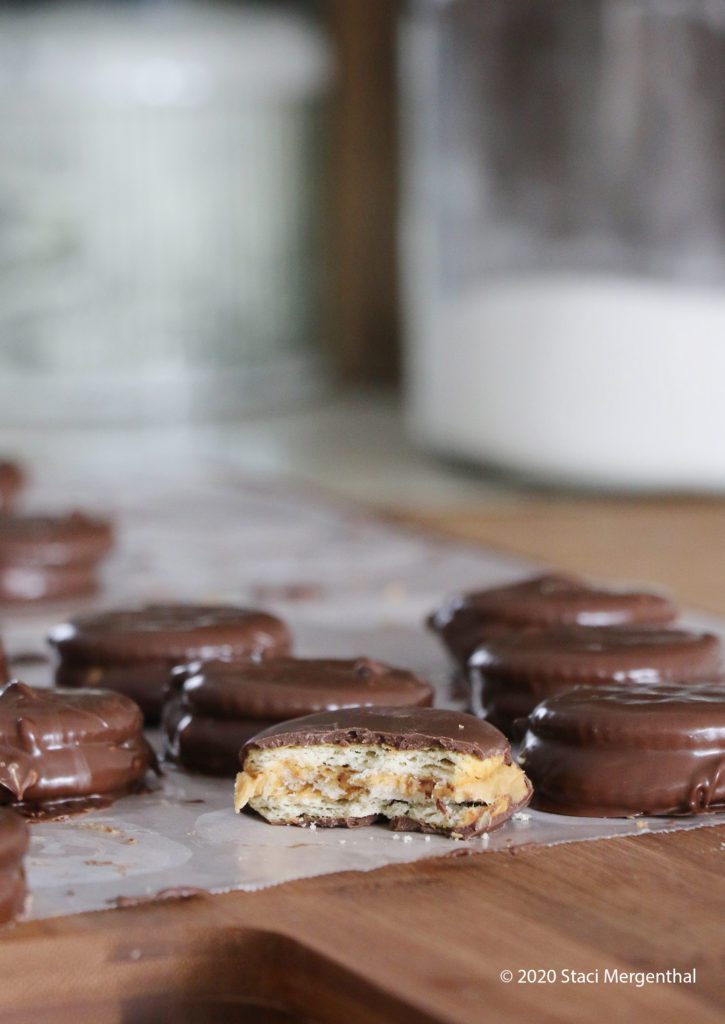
x,y
544,601
69,749
213,708
14,839
4,669
618,750
51,557
12,481
133,651
509,674
422,769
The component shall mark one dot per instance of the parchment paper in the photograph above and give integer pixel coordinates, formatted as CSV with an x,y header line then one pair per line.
x,y
348,584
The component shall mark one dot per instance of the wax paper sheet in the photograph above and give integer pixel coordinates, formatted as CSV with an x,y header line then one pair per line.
x,y
349,584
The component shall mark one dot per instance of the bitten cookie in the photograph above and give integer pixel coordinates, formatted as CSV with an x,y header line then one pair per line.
x,y
45,558
213,708
133,651
509,674
69,749
14,838
422,769
615,751
545,601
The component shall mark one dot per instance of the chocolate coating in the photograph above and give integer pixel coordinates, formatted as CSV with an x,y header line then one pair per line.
x,y
289,687
45,558
14,838
216,707
19,584
59,747
133,651
618,750
398,728
52,541
205,744
12,481
544,601
4,669
175,633
509,674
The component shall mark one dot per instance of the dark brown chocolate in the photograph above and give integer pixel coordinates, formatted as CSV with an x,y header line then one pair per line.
x,y
542,602
14,838
12,481
398,728
204,744
64,748
133,651
216,707
34,540
509,674
619,750
27,583
46,558
4,668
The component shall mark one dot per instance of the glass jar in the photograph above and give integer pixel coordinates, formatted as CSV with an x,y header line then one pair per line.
x,y
160,205
563,237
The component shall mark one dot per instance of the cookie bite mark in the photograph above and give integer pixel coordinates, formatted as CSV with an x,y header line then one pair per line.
x,y
424,770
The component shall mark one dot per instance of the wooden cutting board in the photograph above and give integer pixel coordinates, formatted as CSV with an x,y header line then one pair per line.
x,y
427,942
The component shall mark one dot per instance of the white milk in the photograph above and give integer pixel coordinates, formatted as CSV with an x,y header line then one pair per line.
x,y
590,379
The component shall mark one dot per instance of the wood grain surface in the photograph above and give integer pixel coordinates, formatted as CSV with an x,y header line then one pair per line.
x,y
673,542
427,942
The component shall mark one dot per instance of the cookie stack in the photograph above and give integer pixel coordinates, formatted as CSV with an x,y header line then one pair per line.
x,y
50,558
622,713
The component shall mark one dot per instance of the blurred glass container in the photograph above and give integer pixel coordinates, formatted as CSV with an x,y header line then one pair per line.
x,y
563,237
160,209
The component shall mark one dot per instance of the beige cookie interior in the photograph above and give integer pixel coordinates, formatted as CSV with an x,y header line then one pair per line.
x,y
441,790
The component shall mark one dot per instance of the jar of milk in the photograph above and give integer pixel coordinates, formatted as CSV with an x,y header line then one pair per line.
x,y
563,237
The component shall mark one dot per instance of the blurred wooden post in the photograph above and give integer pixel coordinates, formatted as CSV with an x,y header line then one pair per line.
x,y
365,343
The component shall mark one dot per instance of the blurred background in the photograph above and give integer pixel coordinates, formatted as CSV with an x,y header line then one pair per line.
x,y
422,252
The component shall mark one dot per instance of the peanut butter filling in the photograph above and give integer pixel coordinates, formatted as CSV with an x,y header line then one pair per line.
x,y
445,790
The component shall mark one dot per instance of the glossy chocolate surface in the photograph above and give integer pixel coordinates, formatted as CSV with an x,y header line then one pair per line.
x,y
289,687
145,684
172,633
617,750
134,651
65,745
216,707
36,540
205,744
509,674
398,728
544,601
